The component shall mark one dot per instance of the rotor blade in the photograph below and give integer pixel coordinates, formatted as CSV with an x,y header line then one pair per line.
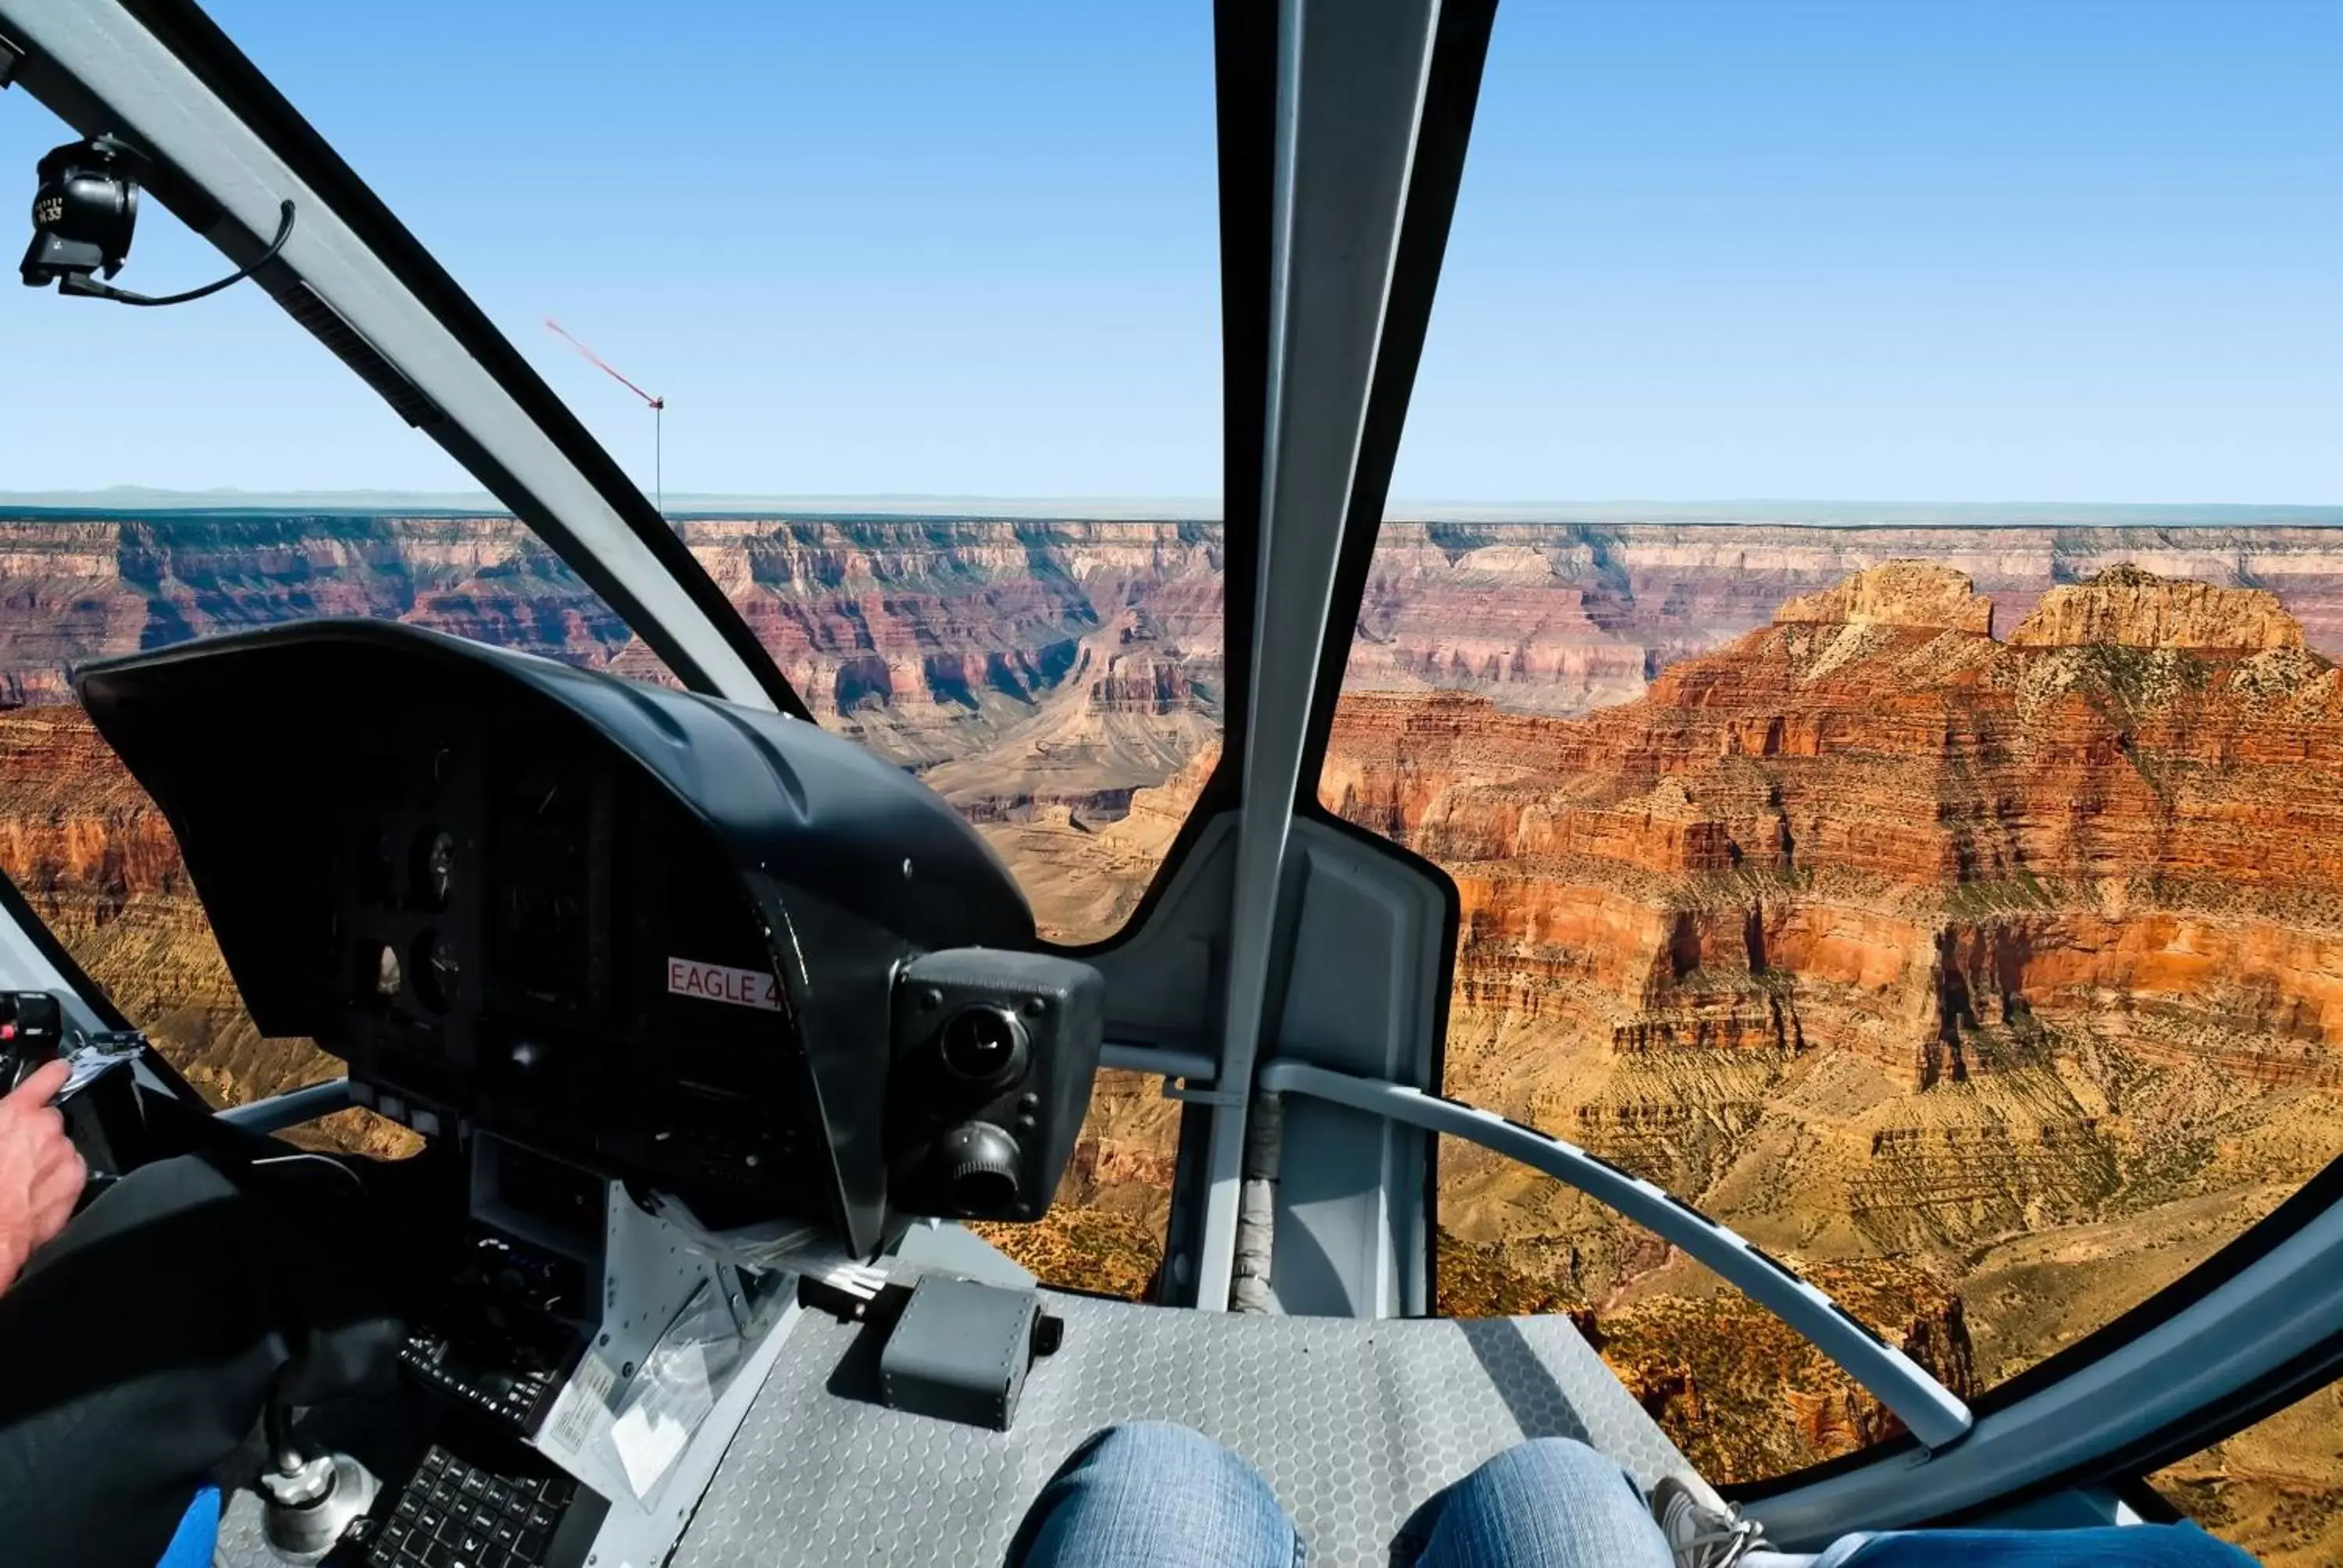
x,y
606,368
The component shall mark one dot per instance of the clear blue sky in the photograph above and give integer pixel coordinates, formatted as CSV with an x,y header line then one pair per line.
x,y
1926,249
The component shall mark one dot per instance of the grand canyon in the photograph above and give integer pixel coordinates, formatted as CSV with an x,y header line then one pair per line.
x,y
1956,911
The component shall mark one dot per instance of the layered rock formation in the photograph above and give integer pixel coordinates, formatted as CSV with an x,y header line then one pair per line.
x,y
906,612
1876,936
2276,1488
2127,606
96,861
1921,594
2001,977
931,634
1562,618
1024,667
76,589
1042,671
1892,834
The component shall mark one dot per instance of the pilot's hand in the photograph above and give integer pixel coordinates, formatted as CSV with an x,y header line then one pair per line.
x,y
41,1172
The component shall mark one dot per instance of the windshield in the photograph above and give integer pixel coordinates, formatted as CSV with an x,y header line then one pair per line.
x,y
1940,889
910,338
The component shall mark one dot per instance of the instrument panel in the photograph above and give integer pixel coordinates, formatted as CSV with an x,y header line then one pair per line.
x,y
539,944
663,938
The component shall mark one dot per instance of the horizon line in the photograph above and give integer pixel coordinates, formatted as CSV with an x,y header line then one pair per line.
x,y
703,505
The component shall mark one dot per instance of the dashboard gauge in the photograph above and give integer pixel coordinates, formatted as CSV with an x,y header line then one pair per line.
x,y
378,971
439,973
435,869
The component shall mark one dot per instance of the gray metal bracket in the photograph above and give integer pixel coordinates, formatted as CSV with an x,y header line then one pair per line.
x,y
653,1283
1209,1095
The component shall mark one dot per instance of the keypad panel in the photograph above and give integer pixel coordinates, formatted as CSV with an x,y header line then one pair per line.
x,y
453,1514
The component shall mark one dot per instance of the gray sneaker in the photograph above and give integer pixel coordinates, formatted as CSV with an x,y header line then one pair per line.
x,y
1701,1532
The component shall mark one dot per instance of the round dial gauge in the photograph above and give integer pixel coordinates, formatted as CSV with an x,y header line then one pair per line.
x,y
434,878
439,973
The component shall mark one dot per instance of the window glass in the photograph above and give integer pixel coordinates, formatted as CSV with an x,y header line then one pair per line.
x,y
958,255
1037,673
964,258
2274,1489
1939,891
80,839
1105,1234
2002,962
207,469
988,266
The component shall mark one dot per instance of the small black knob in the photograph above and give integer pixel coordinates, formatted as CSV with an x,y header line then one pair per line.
x,y
981,1166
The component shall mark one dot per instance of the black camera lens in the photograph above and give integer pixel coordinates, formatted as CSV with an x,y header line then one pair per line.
x,y
984,1044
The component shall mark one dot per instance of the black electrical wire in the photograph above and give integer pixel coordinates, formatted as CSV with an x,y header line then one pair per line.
x,y
123,297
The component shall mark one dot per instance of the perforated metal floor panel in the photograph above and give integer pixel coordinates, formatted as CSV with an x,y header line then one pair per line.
x,y
1353,1423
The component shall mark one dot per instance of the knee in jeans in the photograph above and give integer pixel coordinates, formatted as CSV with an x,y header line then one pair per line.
x,y
1155,1493
1540,1465
1153,1448
1167,1461
1156,1455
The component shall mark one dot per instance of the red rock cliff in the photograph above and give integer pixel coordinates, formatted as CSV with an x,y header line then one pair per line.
x,y
1871,825
97,862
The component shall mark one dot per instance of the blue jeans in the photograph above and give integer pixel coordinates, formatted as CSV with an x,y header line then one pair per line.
x,y
1154,1495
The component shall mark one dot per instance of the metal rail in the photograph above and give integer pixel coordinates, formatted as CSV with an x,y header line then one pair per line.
x,y
290,1108
1933,1414
1166,1063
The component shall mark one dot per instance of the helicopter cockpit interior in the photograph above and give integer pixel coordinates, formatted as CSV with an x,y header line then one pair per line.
x,y
715,1027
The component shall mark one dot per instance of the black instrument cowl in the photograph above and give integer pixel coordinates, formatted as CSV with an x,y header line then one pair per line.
x,y
654,933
